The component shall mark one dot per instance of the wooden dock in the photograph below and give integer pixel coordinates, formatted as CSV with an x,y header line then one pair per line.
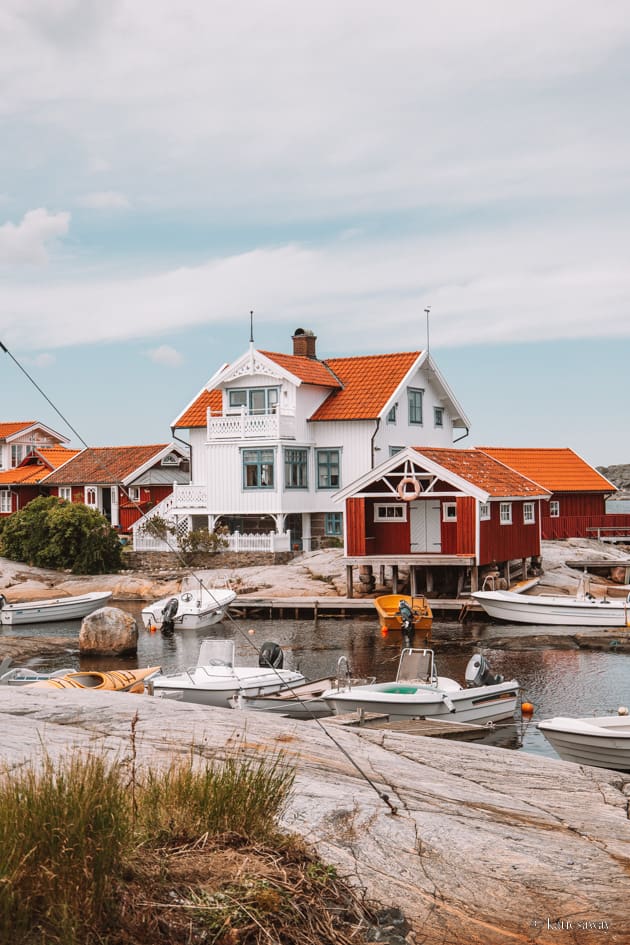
x,y
431,728
312,608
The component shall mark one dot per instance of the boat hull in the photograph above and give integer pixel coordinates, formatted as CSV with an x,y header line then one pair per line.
x,y
603,742
408,699
46,611
553,610
208,685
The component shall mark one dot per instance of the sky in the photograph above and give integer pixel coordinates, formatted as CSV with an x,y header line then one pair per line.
x,y
167,168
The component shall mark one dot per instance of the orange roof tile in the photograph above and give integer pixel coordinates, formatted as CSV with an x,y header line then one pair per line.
x,y
23,474
195,415
559,470
368,383
309,370
104,464
56,455
36,466
8,429
483,471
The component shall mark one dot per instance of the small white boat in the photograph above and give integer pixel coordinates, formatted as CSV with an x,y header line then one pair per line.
x,y
602,741
25,675
215,680
555,609
58,608
418,692
190,610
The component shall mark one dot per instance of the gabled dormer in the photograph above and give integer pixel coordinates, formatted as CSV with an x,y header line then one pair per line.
x,y
19,439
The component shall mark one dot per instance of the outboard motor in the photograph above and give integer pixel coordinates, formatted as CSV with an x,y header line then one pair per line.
x,y
3,601
406,623
478,673
271,655
168,615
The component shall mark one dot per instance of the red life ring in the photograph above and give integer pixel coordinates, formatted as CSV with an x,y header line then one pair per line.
x,y
408,496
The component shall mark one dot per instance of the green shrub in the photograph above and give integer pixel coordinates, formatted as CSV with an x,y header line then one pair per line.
x,y
201,541
52,533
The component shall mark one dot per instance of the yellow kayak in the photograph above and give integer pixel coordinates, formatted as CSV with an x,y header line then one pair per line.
x,y
116,680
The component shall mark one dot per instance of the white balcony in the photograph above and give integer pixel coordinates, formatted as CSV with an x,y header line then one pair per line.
x,y
251,426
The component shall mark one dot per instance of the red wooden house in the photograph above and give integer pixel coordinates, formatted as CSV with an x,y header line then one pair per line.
x,y
122,482
29,451
577,504
448,515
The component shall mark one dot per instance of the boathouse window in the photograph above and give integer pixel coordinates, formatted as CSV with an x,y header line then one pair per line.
x,y
390,512
414,400
5,500
484,512
505,513
296,469
554,508
65,492
328,469
449,512
258,469
438,416
528,513
391,416
333,524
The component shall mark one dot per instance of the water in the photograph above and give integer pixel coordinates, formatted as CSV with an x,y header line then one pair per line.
x,y
557,681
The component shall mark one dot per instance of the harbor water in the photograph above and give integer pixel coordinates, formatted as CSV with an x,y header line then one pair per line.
x,y
556,681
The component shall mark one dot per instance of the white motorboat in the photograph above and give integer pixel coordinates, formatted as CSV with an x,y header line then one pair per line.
x,y
418,692
190,610
602,741
215,680
25,675
58,608
555,609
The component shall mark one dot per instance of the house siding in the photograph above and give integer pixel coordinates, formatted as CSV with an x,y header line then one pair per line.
x,y
499,542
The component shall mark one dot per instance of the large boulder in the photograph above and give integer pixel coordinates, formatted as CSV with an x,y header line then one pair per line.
x,y
108,632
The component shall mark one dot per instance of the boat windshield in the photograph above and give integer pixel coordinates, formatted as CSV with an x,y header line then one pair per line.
x,y
416,664
216,653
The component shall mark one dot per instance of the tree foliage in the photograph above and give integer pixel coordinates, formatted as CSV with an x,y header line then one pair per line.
x,y
52,533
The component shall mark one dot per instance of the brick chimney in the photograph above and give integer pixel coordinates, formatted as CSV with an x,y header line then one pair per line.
x,y
304,342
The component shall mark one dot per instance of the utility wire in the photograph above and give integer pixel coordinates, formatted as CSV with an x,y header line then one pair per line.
x,y
381,794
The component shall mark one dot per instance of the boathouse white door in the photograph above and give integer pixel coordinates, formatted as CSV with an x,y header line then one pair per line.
x,y
425,527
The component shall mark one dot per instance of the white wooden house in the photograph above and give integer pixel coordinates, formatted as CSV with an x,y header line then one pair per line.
x,y
274,436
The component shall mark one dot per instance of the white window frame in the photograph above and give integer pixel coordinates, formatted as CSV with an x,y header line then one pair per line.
x,y
171,459
65,492
485,512
438,417
554,509
505,513
390,512
415,406
391,415
529,513
449,511
17,454
5,501
88,492
133,493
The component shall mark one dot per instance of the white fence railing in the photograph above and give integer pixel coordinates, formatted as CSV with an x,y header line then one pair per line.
x,y
272,541
246,426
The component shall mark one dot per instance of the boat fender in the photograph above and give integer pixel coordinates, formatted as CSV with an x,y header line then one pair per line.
x,y
448,703
271,655
408,495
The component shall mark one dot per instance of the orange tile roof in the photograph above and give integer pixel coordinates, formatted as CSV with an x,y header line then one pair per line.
x,y
559,470
483,471
309,370
56,455
22,475
195,415
104,464
368,383
8,429
36,466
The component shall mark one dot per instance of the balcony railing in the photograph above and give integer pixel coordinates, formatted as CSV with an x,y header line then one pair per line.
x,y
250,426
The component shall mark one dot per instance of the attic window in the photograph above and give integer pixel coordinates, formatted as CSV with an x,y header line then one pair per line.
x,y
171,459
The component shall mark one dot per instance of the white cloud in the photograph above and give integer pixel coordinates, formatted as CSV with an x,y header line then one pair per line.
x,y
104,200
166,355
28,241
44,360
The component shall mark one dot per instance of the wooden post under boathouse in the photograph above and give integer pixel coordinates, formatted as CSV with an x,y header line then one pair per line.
x,y
443,519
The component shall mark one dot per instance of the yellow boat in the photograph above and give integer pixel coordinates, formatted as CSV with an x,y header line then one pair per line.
x,y
116,680
389,611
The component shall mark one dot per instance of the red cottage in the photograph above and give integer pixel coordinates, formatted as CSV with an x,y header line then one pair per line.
x,y
449,515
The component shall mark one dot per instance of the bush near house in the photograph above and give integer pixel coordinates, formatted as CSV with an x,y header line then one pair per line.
x,y
52,533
